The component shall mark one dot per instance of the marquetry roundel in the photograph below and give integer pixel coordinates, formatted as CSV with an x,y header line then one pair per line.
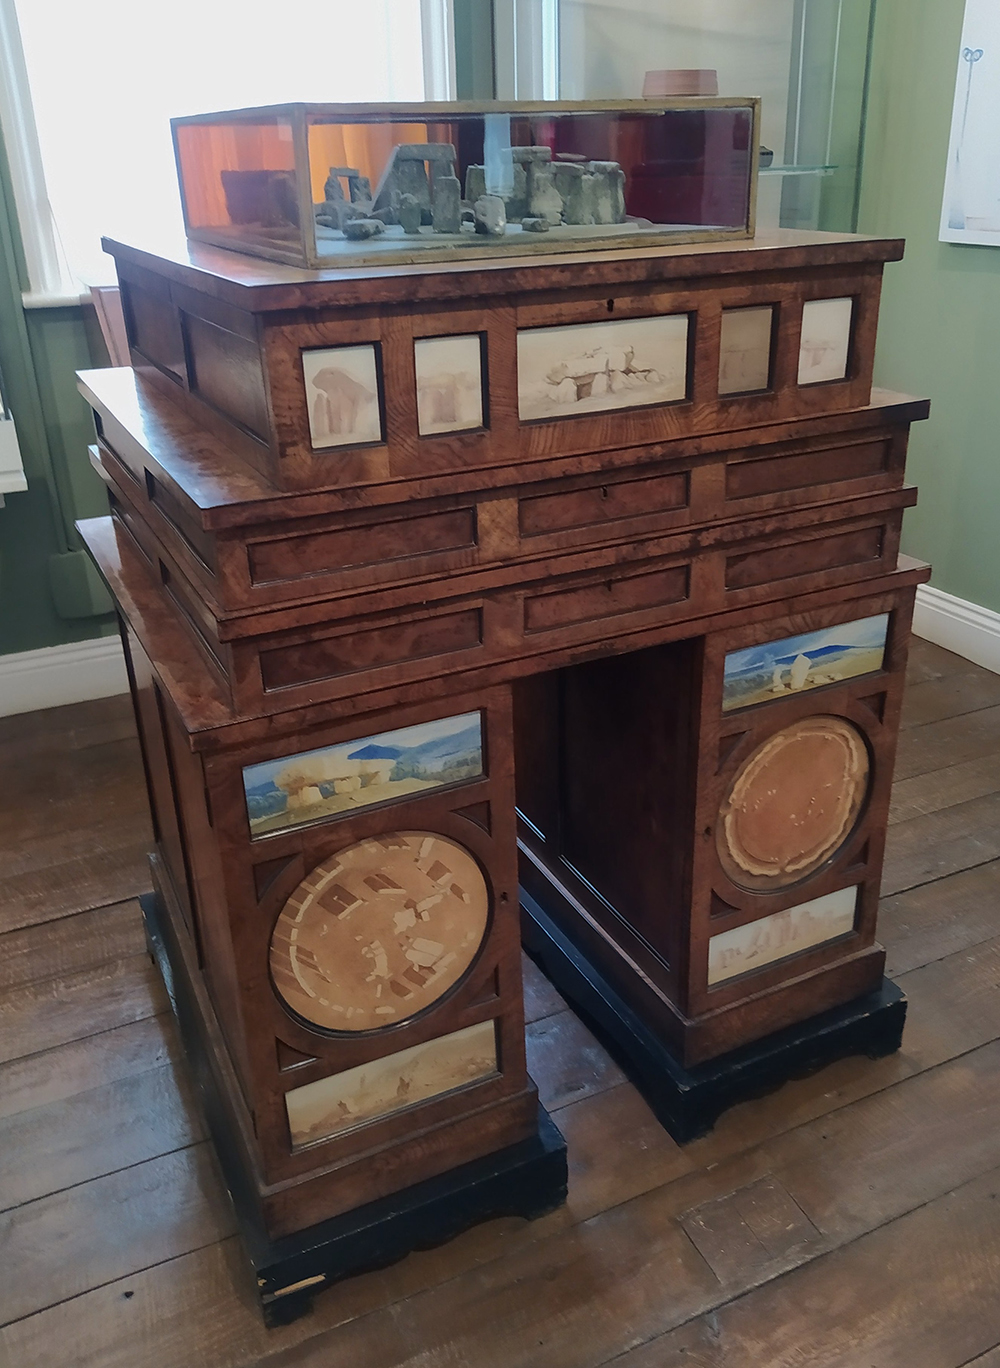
x,y
379,931
793,803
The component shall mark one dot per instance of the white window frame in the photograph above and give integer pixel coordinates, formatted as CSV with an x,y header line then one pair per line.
x,y
526,48
49,282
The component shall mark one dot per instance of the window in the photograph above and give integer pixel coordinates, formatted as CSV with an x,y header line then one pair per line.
x,y
103,79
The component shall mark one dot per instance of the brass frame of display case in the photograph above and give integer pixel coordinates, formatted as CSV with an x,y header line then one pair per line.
x,y
298,116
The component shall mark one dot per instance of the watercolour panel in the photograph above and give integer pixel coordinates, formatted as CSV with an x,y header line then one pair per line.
x,y
760,674
745,350
825,341
970,209
332,1106
782,934
342,396
376,769
449,383
593,367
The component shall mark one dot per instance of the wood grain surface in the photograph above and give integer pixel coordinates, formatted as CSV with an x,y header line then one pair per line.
x,y
849,1220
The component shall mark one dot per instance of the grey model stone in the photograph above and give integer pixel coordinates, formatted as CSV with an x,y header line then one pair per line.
x,y
535,225
447,205
579,208
491,217
408,213
359,188
406,174
475,183
357,230
333,191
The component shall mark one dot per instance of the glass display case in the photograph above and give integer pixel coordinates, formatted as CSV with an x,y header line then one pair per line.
x,y
345,185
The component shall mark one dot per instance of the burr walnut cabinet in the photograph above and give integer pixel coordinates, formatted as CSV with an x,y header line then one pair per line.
x,y
585,562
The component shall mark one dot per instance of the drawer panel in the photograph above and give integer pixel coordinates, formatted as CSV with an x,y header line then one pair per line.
x,y
805,557
606,598
286,666
598,503
798,470
292,558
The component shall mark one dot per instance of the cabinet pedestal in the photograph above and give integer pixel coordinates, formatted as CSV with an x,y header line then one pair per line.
x,y
526,1179
688,1102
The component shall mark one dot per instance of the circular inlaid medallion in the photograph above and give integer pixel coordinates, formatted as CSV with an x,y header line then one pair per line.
x,y
793,802
379,931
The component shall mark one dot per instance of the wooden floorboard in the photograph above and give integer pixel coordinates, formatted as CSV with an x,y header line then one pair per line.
x,y
851,1218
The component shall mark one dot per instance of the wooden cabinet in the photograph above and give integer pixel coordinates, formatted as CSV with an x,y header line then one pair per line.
x,y
641,629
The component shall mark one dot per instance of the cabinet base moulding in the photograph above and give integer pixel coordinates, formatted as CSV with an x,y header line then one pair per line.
x,y
688,1101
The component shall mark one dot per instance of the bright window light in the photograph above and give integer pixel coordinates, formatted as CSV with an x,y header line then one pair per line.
x,y
106,77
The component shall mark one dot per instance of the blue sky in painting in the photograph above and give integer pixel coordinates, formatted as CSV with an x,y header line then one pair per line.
x,y
866,634
391,743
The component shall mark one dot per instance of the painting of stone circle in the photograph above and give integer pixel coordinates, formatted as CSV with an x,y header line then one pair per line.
x,y
793,803
342,396
449,383
782,934
592,367
379,931
760,674
376,769
826,340
745,351
332,1106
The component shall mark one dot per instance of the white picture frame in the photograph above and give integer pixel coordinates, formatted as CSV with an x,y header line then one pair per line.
x,y
449,376
825,343
343,398
970,206
586,368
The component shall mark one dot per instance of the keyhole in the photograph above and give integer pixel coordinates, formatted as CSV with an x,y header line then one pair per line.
x,y
604,491
611,306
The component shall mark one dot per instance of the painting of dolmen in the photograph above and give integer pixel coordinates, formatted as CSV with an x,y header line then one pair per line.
x,y
374,769
782,934
826,340
449,383
760,674
745,350
342,396
350,1099
591,367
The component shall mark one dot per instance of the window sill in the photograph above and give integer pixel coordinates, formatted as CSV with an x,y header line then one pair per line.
x,y
54,300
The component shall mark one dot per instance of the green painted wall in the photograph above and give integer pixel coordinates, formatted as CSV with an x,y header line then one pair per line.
x,y
49,591
939,332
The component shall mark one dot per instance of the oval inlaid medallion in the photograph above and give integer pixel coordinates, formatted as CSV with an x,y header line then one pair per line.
x,y
793,802
379,931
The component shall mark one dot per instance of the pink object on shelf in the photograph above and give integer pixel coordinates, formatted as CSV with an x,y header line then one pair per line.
x,y
659,84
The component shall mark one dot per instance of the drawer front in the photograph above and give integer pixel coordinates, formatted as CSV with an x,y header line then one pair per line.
x,y
839,550
606,598
598,503
803,469
287,559
372,649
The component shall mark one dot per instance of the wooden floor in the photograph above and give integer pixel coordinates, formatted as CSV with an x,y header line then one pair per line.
x,y
850,1219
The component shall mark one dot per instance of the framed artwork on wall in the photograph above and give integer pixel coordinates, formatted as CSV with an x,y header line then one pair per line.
x,y
970,212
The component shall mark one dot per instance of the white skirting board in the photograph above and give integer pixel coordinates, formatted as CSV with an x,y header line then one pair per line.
x,y
958,626
62,674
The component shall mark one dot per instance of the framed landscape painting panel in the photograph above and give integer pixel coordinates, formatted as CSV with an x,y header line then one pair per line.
x,y
970,209
593,367
324,783
357,1096
759,674
826,340
449,383
745,351
782,934
342,396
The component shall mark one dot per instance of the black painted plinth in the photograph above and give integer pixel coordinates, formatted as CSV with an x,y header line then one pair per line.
x,y
527,1179
688,1101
